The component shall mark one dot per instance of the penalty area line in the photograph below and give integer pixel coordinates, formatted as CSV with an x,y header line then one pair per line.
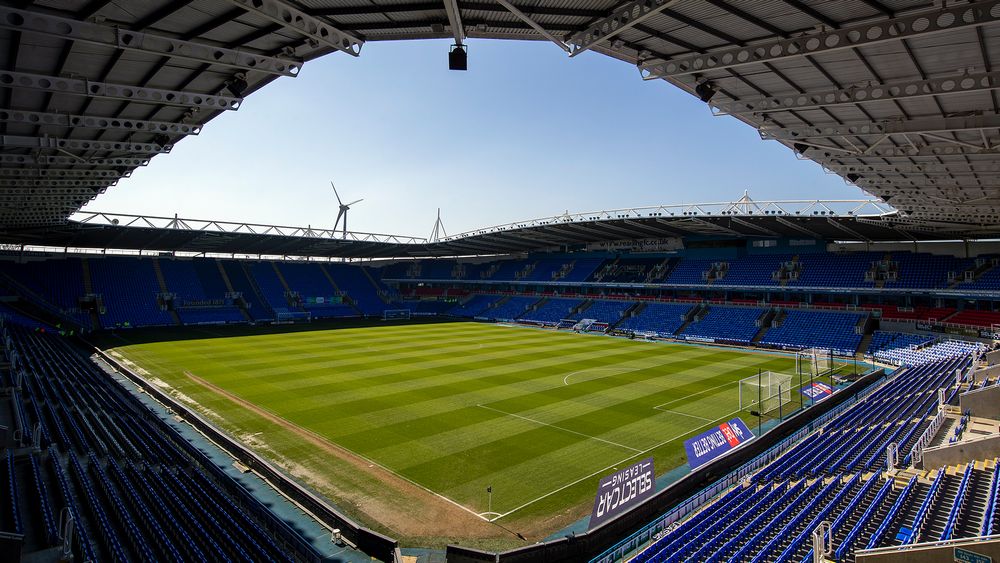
x,y
686,397
560,428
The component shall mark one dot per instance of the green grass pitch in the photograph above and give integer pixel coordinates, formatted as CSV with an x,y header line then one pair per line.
x,y
455,408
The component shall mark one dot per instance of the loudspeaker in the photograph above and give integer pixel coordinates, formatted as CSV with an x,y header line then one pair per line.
x,y
458,58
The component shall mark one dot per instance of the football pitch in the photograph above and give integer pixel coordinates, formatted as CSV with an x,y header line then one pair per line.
x,y
407,426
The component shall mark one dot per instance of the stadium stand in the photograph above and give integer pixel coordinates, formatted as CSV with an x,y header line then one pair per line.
x,y
474,306
660,319
128,290
510,308
358,285
989,281
579,270
200,292
136,489
551,311
690,271
317,294
604,311
756,270
926,270
271,287
725,324
237,276
886,346
814,329
835,270
54,283
921,354
976,318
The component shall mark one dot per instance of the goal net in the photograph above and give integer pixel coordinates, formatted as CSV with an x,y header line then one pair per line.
x,y
766,393
395,314
815,361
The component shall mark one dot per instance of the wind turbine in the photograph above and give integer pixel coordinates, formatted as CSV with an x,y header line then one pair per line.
x,y
344,208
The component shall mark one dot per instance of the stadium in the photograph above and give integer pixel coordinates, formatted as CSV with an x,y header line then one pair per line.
x,y
758,380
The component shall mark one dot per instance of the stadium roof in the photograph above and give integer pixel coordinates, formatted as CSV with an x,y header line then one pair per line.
x,y
897,96
842,220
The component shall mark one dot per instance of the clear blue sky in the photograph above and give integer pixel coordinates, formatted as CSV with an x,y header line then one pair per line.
x,y
525,133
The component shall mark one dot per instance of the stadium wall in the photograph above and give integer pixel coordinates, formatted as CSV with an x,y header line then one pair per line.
x,y
944,551
593,543
369,541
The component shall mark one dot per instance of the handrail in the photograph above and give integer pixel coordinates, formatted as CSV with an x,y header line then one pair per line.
x,y
916,452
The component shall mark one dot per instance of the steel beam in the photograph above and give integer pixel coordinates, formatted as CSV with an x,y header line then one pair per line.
x,y
534,25
38,118
57,173
902,151
119,38
920,24
296,20
886,127
701,226
27,160
966,182
620,19
797,227
47,183
754,227
902,169
871,91
46,142
128,92
852,232
455,20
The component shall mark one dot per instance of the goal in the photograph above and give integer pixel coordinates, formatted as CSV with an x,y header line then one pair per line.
x,y
766,393
815,361
395,314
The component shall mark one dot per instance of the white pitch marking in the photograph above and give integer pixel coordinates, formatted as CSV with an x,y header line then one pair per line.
x,y
685,414
694,394
560,428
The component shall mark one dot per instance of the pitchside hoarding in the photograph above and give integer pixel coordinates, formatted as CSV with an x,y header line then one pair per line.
x,y
818,391
709,445
622,490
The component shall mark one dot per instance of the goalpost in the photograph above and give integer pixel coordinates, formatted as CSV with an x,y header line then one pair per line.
x,y
814,361
396,314
767,392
